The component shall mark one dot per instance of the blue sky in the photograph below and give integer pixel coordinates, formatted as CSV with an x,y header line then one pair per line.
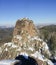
x,y
40,11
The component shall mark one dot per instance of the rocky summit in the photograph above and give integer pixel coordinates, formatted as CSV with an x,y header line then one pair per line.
x,y
24,28
26,42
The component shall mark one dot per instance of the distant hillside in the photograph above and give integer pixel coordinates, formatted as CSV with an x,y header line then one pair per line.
x,y
48,33
50,28
5,34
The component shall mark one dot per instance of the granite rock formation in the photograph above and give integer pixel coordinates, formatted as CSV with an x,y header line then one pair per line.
x,y
26,41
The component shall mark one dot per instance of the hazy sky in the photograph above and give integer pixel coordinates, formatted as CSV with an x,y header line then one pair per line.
x,y
40,11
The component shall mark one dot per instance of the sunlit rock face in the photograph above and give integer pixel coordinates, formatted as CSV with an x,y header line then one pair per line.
x,y
26,36
26,41
24,28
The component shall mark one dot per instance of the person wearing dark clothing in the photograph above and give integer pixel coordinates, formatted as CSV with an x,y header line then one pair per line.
x,y
26,60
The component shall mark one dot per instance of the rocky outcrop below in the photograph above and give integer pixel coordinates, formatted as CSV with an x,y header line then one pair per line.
x,y
26,41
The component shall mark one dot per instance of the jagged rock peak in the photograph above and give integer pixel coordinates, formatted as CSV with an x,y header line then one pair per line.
x,y
25,25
